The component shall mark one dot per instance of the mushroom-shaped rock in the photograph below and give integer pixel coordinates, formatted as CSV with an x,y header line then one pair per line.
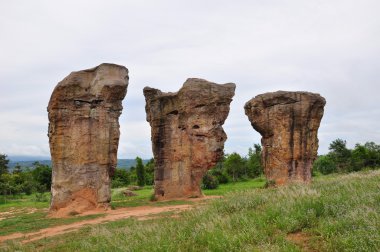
x,y
84,111
288,123
187,134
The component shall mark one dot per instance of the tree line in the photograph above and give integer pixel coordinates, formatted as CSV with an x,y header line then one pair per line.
x,y
341,159
24,180
231,168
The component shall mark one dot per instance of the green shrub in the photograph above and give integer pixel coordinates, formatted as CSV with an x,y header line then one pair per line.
x,y
325,165
116,183
40,197
209,181
221,176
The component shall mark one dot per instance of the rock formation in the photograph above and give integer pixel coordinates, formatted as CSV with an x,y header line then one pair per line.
x,y
84,111
288,123
187,134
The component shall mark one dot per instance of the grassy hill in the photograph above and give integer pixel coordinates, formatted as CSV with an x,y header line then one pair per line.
x,y
334,213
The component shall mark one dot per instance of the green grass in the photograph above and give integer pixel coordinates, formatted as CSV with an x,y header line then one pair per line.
x,y
23,201
25,215
339,213
22,219
238,186
142,199
144,195
25,223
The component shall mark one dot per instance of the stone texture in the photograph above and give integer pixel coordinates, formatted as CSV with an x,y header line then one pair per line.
x,y
288,123
187,134
84,111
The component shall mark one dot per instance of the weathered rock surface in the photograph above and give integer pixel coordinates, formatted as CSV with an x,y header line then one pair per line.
x,y
187,134
288,123
84,111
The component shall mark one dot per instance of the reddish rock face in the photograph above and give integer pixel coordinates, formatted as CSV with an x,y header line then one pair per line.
x,y
187,134
84,112
288,123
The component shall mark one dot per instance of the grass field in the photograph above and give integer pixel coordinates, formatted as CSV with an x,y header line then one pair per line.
x,y
23,214
335,213
144,195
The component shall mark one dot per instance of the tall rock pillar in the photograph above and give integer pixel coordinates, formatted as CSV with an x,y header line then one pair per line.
x,y
187,134
84,111
288,123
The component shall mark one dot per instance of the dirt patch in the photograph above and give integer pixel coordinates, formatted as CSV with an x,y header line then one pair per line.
x,y
141,213
302,240
196,199
80,202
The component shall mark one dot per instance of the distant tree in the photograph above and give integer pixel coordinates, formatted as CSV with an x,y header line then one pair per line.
x,y
219,171
254,166
42,175
120,178
17,169
235,166
6,184
209,181
340,155
373,154
133,176
140,172
149,172
367,155
3,164
324,164
359,158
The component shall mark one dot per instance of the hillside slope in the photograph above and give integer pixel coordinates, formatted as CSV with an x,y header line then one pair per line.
x,y
335,213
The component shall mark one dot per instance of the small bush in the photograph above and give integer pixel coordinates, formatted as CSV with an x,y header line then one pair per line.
x,y
116,183
222,177
210,182
324,165
152,197
40,197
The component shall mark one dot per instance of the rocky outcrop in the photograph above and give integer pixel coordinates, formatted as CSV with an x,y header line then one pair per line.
x,y
84,112
187,134
288,123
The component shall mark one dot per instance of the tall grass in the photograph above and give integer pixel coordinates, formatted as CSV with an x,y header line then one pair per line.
x,y
336,214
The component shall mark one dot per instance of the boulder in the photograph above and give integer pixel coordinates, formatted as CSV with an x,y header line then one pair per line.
x,y
84,111
187,134
288,123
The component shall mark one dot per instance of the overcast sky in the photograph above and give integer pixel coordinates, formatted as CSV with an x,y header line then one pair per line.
x,y
331,47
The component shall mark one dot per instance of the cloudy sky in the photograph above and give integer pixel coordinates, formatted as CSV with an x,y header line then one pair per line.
x,y
331,47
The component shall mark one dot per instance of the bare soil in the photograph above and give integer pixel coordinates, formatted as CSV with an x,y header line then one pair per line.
x,y
141,213
302,240
81,201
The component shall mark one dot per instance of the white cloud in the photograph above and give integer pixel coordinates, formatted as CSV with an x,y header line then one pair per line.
x,y
328,47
